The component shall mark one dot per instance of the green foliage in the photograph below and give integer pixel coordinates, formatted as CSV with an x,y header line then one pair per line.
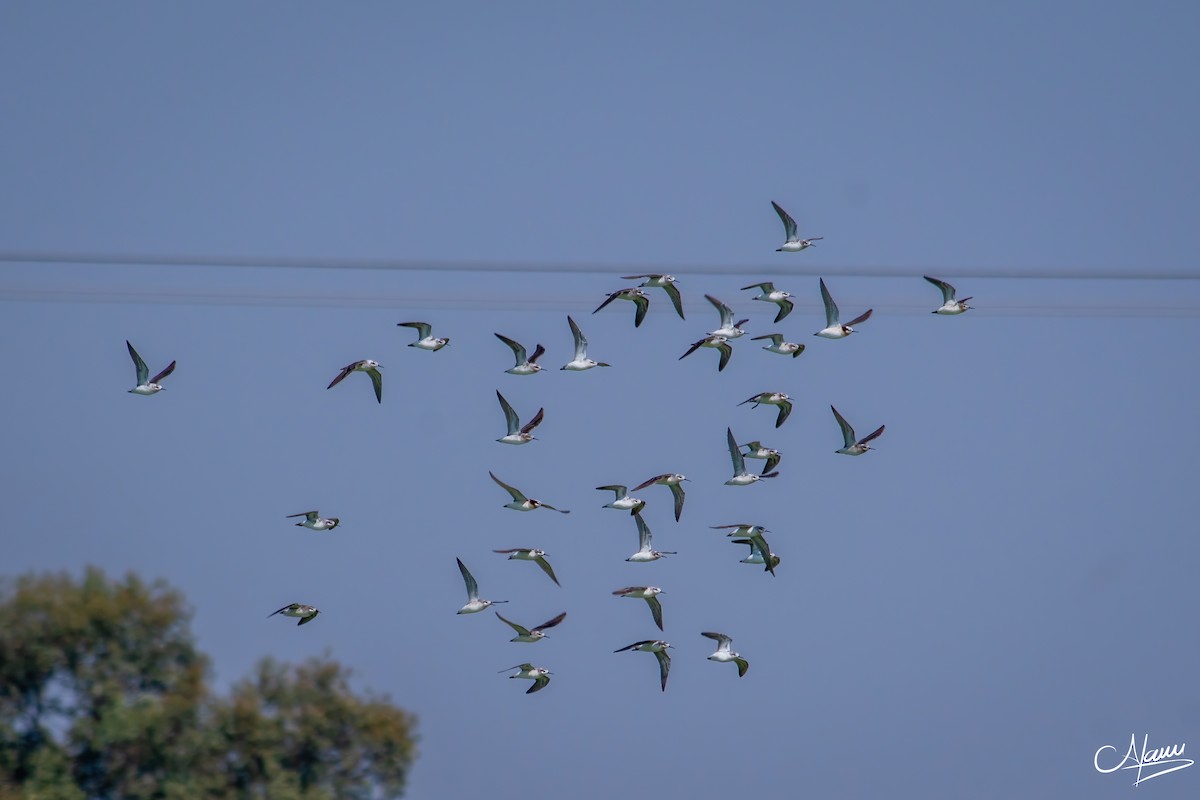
x,y
104,695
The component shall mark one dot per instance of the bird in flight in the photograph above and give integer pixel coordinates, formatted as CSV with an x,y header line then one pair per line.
x,y
474,604
664,282
533,554
526,365
368,366
314,521
778,399
633,295
834,329
659,648
305,613
146,385
521,502
854,446
538,675
531,635
650,595
672,480
518,434
778,345
949,304
581,360
425,338
769,294
645,552
794,243
724,654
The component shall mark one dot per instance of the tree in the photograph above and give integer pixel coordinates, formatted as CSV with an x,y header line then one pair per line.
x,y
103,694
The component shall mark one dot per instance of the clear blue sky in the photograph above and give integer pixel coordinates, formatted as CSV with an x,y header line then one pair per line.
x,y
1005,586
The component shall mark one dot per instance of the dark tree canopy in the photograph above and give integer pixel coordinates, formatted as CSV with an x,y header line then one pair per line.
x,y
104,695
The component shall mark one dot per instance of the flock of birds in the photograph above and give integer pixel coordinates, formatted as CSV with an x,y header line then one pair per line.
x,y
750,535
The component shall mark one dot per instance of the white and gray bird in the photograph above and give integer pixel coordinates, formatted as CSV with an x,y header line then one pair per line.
x,y
533,554
305,613
146,385
538,675
521,502
425,338
365,365
645,552
756,555
949,304
772,456
525,364
531,635
650,595
753,534
794,243
729,329
622,502
664,282
633,295
854,446
474,604
834,329
719,343
518,434
724,654
314,521
778,345
769,294
581,360
672,480
740,476
659,648
777,399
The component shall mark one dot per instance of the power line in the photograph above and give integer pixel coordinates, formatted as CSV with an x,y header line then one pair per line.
x,y
524,301
795,268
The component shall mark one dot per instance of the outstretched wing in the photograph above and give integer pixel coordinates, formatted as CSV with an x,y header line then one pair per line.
x,y
947,289
377,382
743,665
726,350
510,414
538,352
789,224
644,534
655,610
539,683
776,338
469,580
785,409
609,299
346,370
550,623
280,611
691,350
517,348
581,342
533,423
847,431
872,435
766,287
516,495
423,328
863,317
309,618
170,368
653,480
831,309
785,308
520,629
725,311
664,666
673,292
735,453
546,568
677,491
143,372
642,302
723,641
